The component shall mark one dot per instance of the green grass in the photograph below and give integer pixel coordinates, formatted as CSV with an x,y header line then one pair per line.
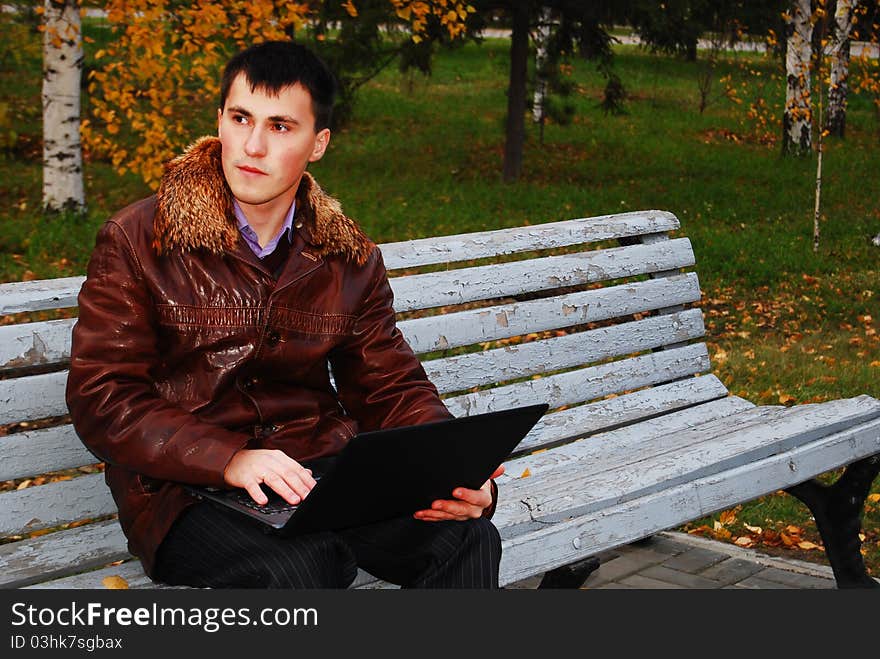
x,y
423,156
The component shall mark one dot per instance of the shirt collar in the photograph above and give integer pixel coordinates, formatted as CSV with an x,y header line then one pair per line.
x,y
250,236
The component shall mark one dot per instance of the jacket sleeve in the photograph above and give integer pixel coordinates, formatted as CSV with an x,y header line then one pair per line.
x,y
380,381
115,408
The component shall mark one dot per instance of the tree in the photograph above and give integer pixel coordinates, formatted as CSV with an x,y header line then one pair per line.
x,y
581,27
166,55
840,51
797,118
62,74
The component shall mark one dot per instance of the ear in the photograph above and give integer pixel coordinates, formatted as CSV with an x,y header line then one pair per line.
x,y
322,140
219,120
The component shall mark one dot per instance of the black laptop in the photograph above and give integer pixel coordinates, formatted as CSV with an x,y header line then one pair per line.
x,y
391,473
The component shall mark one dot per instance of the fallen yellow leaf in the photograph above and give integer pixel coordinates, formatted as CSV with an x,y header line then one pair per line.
x,y
794,530
757,530
526,473
806,544
787,399
875,497
727,517
115,582
744,541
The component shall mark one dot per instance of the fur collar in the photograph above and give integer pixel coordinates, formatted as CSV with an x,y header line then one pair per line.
x,y
195,210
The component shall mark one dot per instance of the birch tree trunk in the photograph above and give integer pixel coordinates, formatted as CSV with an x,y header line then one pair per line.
x,y
797,121
62,72
838,89
542,38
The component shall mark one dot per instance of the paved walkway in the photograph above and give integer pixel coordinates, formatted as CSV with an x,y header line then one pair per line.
x,y
678,560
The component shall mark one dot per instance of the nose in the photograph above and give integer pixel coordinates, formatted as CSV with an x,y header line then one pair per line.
x,y
255,145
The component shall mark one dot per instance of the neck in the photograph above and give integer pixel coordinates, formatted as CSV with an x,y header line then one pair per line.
x,y
266,219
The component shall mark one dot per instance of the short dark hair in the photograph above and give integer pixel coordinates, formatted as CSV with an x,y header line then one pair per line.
x,y
273,65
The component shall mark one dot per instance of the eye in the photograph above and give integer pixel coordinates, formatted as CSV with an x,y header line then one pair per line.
x,y
281,128
239,119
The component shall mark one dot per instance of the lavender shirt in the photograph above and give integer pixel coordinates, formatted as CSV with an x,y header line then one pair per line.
x,y
250,236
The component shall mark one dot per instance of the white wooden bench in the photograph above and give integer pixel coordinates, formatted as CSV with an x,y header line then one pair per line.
x,y
597,317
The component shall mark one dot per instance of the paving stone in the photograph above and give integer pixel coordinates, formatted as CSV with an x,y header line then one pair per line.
x,y
695,560
795,579
639,581
731,570
663,545
630,561
683,579
755,582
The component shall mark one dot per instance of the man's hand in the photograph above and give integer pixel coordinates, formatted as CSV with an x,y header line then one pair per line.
x,y
468,504
250,467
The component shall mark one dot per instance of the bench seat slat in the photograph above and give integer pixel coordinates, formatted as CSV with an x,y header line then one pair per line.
x,y
692,454
53,504
478,369
549,545
39,451
461,328
587,383
483,244
438,289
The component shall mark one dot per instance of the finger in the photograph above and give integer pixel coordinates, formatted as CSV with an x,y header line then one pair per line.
x,y
253,488
480,498
282,488
437,516
499,470
457,508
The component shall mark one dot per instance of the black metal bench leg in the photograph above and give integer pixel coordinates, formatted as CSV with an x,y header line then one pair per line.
x,y
570,576
837,509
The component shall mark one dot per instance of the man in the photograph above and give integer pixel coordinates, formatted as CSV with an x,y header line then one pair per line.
x,y
207,322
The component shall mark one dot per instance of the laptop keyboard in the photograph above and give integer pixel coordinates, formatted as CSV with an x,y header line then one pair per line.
x,y
276,504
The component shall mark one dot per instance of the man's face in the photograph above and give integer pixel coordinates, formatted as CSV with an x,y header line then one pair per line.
x,y
267,142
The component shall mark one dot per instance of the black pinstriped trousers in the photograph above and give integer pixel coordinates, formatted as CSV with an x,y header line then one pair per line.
x,y
211,547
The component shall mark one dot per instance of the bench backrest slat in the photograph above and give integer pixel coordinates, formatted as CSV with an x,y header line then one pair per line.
x,y
477,369
32,397
27,454
499,242
439,289
39,295
48,342
53,504
587,383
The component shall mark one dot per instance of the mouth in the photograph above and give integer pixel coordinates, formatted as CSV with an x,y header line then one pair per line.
x,y
250,170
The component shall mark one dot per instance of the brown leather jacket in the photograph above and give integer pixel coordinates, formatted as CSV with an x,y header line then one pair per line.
x,y
187,350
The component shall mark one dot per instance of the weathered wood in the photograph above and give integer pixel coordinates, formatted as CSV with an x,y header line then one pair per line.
x,y
32,397
507,363
39,295
40,451
60,554
35,344
703,395
48,342
437,289
461,328
54,504
547,545
692,454
483,244
587,383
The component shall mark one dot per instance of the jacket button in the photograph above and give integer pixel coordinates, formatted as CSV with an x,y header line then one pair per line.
x,y
272,338
249,384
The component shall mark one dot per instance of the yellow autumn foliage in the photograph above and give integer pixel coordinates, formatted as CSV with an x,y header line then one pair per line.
x,y
165,58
